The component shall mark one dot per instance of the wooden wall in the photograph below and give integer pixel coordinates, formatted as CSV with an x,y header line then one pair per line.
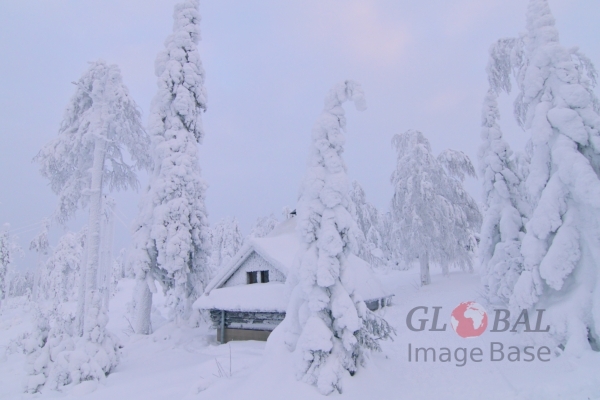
x,y
254,262
243,334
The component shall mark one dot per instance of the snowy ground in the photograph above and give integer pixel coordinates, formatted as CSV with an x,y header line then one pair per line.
x,y
183,363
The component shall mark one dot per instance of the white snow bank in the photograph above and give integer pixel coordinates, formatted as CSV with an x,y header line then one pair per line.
x,y
267,297
178,362
359,277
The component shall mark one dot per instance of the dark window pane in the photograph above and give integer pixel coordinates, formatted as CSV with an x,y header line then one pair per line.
x,y
264,276
252,277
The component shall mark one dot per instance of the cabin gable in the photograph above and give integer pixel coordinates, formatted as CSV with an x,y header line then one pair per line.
x,y
256,268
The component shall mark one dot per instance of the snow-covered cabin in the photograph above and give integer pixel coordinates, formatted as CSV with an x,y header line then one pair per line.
x,y
247,299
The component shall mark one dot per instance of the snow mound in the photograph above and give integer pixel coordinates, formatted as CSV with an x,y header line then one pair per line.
x,y
267,297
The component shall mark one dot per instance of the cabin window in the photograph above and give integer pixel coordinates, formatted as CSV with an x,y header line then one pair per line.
x,y
257,277
252,277
264,276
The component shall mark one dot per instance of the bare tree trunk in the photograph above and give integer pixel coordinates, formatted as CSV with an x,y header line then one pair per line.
x,y
143,306
36,278
105,273
444,268
92,297
424,263
81,290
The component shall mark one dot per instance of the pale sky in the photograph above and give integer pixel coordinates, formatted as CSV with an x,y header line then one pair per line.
x,y
269,64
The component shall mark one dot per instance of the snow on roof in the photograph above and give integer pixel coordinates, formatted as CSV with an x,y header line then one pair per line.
x,y
267,297
359,277
224,273
280,248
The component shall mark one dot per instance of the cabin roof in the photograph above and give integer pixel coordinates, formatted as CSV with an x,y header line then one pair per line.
x,y
266,297
280,248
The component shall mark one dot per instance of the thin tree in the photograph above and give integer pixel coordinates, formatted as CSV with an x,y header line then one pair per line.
x,y
83,162
433,217
226,240
172,237
9,250
504,208
61,272
329,326
371,224
263,226
503,173
40,244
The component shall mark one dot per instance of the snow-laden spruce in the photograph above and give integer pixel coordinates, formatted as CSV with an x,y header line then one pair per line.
x,y
40,244
83,162
19,283
120,268
561,249
502,229
5,260
503,173
263,226
9,250
329,326
60,274
226,240
372,245
56,337
433,217
172,238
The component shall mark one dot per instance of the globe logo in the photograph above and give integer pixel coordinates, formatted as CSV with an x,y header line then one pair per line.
x,y
469,319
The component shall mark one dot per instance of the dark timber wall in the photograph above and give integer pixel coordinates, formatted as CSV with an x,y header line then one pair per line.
x,y
261,321
243,334
257,325
244,325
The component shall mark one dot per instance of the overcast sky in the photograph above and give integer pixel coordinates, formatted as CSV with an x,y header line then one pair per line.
x,y
269,64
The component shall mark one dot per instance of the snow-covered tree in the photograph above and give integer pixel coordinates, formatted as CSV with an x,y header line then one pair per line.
x,y
505,207
172,237
20,283
263,226
40,244
60,274
226,240
430,206
9,250
120,269
503,223
561,247
82,163
5,259
286,212
106,258
58,342
371,246
329,326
